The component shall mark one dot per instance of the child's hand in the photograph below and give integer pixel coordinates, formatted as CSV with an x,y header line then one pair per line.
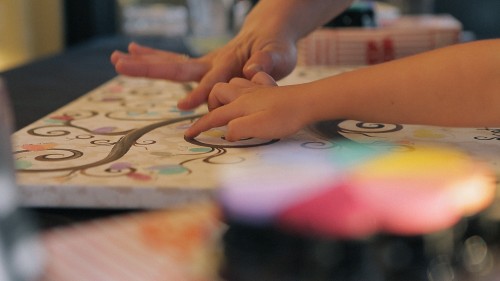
x,y
256,108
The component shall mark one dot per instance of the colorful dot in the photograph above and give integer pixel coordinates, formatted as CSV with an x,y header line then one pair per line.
x,y
22,164
169,169
200,149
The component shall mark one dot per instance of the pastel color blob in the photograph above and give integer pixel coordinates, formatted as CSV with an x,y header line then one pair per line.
x,y
54,121
214,133
200,149
38,147
413,192
134,113
115,89
258,194
120,166
61,117
111,99
351,154
406,193
169,169
181,112
139,176
422,162
103,130
22,164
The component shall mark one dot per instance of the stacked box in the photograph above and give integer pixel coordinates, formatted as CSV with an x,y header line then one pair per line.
x,y
402,37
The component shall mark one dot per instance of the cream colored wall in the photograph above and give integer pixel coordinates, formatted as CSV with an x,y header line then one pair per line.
x,y
29,29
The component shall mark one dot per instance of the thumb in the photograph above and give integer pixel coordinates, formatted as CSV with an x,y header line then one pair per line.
x,y
259,61
263,78
195,98
277,62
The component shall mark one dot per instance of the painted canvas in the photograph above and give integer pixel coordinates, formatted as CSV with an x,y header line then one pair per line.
x,y
122,146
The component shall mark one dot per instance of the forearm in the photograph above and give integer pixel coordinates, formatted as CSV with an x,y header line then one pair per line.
x,y
454,86
293,18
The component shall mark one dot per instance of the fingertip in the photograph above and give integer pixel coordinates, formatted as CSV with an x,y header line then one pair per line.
x,y
198,127
191,133
136,48
187,103
232,137
183,104
195,98
132,46
252,69
259,61
119,66
115,56
263,79
232,133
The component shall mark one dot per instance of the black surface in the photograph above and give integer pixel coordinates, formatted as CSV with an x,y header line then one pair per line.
x,y
479,16
86,19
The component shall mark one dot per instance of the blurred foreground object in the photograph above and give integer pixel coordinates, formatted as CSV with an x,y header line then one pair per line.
x,y
20,252
360,192
180,244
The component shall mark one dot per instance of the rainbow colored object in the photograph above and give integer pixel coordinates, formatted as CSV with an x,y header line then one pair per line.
x,y
356,192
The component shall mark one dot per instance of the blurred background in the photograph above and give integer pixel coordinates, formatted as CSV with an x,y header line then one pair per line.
x,y
33,29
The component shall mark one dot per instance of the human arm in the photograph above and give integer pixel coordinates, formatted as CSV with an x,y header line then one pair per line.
x,y
453,86
266,42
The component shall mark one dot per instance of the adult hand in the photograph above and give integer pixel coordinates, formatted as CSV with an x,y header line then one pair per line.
x,y
244,56
266,42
